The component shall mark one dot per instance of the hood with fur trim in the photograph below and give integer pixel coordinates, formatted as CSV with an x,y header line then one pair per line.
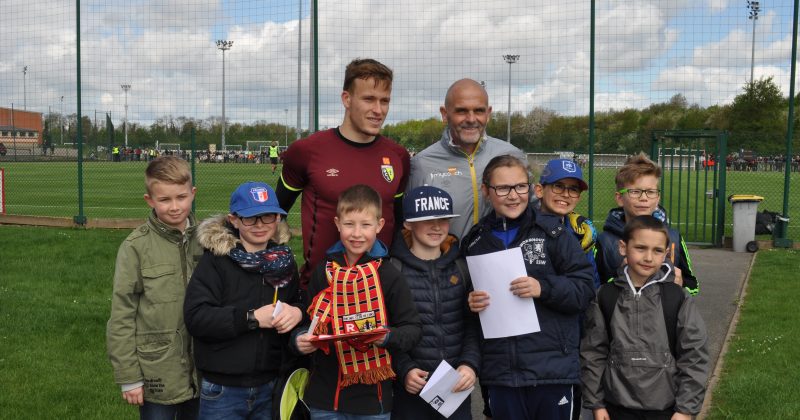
x,y
217,235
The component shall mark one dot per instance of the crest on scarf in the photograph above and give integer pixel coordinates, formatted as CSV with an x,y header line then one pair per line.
x,y
387,170
359,322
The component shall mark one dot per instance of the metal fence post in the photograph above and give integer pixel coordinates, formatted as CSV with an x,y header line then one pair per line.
x,y
194,158
80,219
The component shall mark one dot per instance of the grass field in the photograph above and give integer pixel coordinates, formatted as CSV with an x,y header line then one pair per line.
x,y
55,301
114,190
760,377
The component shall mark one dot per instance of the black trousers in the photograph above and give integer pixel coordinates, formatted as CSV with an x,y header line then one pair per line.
x,y
621,413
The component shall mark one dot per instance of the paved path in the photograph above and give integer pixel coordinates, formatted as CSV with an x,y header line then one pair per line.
x,y
721,273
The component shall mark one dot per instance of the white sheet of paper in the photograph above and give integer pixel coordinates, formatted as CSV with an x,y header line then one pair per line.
x,y
313,325
278,308
438,391
507,315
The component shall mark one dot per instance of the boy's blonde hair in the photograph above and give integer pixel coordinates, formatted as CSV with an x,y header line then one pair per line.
x,y
634,168
359,198
169,170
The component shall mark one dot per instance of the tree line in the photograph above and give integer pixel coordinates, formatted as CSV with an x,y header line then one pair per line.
x,y
756,120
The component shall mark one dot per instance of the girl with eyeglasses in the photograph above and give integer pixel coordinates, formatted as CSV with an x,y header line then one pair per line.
x,y
531,376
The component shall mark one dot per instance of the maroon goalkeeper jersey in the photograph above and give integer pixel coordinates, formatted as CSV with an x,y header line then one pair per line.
x,y
325,164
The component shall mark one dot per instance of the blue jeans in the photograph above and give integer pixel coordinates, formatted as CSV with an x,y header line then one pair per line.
x,y
186,410
233,402
317,414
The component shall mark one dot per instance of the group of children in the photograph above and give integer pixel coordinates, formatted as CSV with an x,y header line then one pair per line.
x,y
212,341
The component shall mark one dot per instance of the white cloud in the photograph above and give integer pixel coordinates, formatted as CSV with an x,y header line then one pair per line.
x,y
166,51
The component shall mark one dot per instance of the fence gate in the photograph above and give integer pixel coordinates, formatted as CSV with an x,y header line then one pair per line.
x,y
693,182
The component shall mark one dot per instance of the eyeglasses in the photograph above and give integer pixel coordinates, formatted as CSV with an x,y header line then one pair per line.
x,y
573,191
637,193
265,219
504,190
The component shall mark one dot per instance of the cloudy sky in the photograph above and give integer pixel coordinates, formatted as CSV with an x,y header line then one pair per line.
x,y
647,51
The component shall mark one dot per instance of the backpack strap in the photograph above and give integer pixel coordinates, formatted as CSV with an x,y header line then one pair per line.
x,y
672,298
607,297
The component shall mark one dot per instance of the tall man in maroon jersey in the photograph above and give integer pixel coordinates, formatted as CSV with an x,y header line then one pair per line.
x,y
324,164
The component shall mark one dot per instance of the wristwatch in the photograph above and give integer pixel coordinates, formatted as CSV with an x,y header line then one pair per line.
x,y
252,322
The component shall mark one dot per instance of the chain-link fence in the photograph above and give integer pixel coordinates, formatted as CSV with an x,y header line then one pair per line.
x,y
590,80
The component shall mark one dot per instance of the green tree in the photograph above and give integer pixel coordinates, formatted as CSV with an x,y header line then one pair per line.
x,y
758,117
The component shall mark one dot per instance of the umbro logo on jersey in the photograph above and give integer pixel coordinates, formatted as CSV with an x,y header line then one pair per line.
x,y
563,401
332,172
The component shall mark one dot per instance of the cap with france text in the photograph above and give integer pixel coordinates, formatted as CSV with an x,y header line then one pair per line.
x,y
427,203
254,198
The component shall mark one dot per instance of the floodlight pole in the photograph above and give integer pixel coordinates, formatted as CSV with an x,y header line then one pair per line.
x,y
61,120
510,59
126,87
25,88
286,127
755,8
223,45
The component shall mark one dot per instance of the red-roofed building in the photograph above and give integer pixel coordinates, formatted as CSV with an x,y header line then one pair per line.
x,y
23,128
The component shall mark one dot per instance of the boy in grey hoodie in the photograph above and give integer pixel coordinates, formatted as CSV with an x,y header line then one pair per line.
x,y
630,368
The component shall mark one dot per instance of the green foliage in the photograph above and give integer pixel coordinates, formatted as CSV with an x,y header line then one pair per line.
x,y
758,118
759,379
415,134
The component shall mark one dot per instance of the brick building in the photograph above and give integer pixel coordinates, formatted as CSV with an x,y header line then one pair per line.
x,y
23,128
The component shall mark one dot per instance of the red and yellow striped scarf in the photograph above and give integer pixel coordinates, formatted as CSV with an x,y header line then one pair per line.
x,y
358,305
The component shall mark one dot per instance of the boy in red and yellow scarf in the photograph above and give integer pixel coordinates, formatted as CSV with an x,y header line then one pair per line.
x,y
354,291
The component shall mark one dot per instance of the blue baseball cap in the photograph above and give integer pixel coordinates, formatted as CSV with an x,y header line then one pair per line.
x,y
427,203
558,169
254,198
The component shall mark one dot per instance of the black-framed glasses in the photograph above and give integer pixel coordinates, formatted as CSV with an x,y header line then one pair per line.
x,y
637,193
573,191
504,190
265,219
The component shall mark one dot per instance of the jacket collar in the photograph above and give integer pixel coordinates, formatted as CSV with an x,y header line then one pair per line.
x,y
615,221
550,224
447,143
168,232
664,274
378,250
401,249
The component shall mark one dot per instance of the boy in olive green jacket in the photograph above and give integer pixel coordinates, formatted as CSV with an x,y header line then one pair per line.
x,y
148,344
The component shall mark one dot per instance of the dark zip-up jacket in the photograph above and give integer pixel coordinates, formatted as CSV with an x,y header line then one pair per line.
x,y
219,295
450,331
609,260
555,259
